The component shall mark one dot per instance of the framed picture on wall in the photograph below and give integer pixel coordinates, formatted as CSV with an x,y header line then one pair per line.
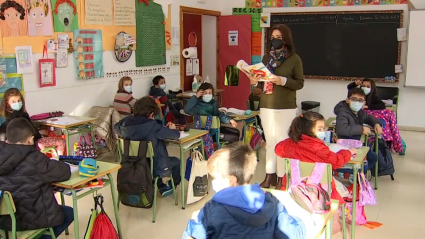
x,y
47,72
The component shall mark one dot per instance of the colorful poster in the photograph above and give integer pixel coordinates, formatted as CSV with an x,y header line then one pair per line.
x,y
13,18
98,12
89,53
40,21
65,16
24,61
124,12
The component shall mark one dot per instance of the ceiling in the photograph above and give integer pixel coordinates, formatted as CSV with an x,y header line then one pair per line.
x,y
419,4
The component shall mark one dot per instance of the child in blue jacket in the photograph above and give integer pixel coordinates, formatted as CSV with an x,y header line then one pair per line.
x,y
203,103
238,209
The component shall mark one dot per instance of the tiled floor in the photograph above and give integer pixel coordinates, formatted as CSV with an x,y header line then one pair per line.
x,y
401,204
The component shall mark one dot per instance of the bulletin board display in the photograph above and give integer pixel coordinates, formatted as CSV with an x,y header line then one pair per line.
x,y
318,3
345,45
109,31
9,78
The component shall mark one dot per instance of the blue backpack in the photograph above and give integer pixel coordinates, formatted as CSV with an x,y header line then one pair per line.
x,y
88,167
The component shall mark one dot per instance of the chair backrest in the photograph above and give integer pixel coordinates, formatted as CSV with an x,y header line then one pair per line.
x,y
306,170
7,206
215,124
134,146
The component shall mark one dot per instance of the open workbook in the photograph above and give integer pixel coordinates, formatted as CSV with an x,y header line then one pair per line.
x,y
257,69
232,111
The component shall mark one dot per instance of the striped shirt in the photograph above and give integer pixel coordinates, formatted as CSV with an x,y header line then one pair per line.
x,y
123,103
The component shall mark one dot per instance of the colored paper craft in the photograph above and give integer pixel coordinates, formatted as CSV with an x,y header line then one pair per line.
x,y
98,12
24,61
316,3
65,15
13,18
40,21
88,53
125,12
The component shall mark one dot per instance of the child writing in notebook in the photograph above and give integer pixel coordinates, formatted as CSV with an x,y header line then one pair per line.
x,y
305,143
203,103
13,107
124,101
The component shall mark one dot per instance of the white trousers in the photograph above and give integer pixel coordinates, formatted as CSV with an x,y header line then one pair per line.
x,y
276,124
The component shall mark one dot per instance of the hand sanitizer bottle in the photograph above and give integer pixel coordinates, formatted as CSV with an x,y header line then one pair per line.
x,y
195,84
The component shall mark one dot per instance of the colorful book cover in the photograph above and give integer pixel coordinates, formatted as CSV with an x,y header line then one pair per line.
x,y
357,2
291,3
308,3
269,3
286,3
279,3
332,3
350,2
302,3
326,3
263,3
258,3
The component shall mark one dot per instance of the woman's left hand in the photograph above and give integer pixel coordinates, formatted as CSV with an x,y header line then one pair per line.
x,y
233,122
276,80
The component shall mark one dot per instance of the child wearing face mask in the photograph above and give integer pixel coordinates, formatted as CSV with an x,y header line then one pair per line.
x,y
143,126
124,101
157,91
373,102
306,143
13,107
203,103
239,209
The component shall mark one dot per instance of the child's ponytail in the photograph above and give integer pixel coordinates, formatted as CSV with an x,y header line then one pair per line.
x,y
304,124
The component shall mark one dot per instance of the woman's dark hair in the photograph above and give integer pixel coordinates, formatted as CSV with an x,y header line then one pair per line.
x,y
373,90
304,124
206,86
286,35
5,109
8,4
145,107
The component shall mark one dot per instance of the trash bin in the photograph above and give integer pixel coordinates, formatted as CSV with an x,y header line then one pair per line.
x,y
310,106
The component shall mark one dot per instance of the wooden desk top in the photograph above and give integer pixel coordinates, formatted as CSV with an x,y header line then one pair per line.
x,y
193,134
74,121
76,180
244,117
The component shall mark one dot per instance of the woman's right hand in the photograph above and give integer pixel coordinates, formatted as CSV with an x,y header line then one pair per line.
x,y
200,93
254,79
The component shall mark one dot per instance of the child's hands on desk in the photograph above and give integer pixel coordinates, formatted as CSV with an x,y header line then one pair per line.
x,y
378,129
233,122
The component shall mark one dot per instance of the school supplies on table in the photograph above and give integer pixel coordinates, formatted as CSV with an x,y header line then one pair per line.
x,y
183,134
234,111
88,167
47,115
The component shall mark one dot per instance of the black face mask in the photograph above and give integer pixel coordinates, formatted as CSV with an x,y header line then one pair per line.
x,y
277,44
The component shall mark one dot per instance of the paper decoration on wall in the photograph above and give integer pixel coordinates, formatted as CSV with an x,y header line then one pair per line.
x,y
24,61
174,60
123,46
195,66
63,41
47,70
40,21
189,67
124,13
139,72
317,3
168,41
265,20
65,15
89,53
13,18
98,12
11,81
62,58
2,70
150,36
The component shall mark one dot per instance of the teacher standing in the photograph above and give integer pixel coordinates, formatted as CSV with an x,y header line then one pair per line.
x,y
278,109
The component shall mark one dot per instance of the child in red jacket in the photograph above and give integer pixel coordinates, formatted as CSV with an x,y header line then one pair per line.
x,y
305,143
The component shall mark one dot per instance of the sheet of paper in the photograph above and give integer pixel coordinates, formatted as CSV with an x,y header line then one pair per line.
x,y
265,20
98,12
64,120
336,148
24,61
175,36
124,12
189,67
402,34
73,168
195,66
183,134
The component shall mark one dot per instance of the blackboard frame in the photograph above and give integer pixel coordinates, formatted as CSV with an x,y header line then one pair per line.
x,y
341,78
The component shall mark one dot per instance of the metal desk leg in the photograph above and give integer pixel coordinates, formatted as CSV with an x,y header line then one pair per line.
x,y
93,138
353,215
257,152
376,165
329,228
114,201
63,204
75,207
182,171
67,142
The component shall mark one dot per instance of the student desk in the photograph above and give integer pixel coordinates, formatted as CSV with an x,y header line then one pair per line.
x,y
355,163
322,221
193,134
75,125
248,120
105,169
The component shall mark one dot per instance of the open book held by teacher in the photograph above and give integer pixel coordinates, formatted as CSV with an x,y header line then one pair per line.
x,y
257,69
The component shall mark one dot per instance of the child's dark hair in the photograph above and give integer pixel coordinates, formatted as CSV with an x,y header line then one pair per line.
x,y
156,79
145,107
373,90
121,83
206,86
19,130
356,91
304,124
234,160
5,109
11,4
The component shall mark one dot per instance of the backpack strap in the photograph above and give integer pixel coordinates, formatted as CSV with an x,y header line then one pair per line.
x,y
295,172
317,174
126,147
143,149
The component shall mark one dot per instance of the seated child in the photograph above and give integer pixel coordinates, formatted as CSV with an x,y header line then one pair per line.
x,y
143,126
238,209
203,103
12,107
305,143
373,102
355,84
158,91
28,174
350,120
124,101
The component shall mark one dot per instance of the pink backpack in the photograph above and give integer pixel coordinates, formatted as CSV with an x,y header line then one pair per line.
x,y
308,192
255,142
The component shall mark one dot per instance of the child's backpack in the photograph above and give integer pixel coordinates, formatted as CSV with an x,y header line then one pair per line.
x,y
134,180
385,159
308,192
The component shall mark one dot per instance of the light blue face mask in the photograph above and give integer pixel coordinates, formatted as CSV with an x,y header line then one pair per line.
x,y
128,88
321,135
207,98
356,106
366,90
16,106
163,86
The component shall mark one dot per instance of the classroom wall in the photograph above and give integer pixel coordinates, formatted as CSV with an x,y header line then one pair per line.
x,y
419,4
410,113
77,97
209,49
